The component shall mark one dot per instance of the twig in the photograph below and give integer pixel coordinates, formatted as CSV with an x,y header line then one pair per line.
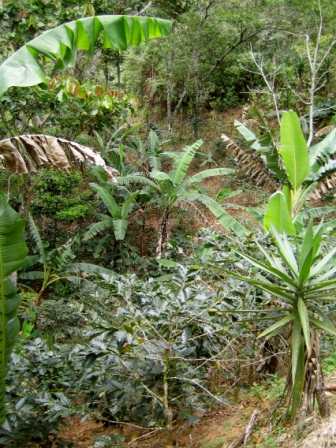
x,y
144,9
244,438
195,383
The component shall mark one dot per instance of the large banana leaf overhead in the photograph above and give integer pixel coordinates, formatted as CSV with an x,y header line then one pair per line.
x,y
62,43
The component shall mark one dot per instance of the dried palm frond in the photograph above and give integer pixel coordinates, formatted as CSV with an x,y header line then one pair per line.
x,y
28,153
254,169
246,110
251,123
325,130
325,185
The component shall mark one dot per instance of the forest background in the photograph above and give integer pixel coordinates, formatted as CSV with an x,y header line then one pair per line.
x,y
125,314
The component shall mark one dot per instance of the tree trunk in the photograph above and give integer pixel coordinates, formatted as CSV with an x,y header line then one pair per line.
x,y
94,64
163,235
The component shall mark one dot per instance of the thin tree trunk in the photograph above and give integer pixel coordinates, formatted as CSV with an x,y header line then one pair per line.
x,y
94,63
166,408
163,234
169,92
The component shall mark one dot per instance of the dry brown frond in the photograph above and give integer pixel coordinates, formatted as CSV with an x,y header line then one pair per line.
x,y
28,153
252,168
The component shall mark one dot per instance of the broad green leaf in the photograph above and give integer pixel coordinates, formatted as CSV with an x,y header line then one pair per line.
x,y
137,179
61,43
258,213
102,244
304,319
226,193
36,237
293,149
320,153
91,269
125,209
159,176
13,251
227,221
101,226
167,263
209,173
277,215
108,200
245,132
288,195
182,163
120,227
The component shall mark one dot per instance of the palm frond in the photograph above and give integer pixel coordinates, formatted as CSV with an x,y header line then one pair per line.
x,y
252,169
325,131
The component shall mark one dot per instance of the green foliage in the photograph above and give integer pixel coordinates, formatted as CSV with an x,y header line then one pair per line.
x,y
13,251
301,277
117,221
62,43
148,357
39,388
60,196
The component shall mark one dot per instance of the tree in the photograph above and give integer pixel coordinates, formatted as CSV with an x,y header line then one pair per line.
x,y
177,190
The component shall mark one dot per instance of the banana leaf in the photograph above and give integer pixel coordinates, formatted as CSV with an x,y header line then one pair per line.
x,y
13,253
62,43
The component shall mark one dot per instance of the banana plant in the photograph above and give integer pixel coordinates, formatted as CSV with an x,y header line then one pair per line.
x,y
175,189
117,221
57,265
302,278
285,209
301,171
62,43
13,251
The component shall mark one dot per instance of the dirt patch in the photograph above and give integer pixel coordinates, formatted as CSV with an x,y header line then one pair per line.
x,y
216,429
